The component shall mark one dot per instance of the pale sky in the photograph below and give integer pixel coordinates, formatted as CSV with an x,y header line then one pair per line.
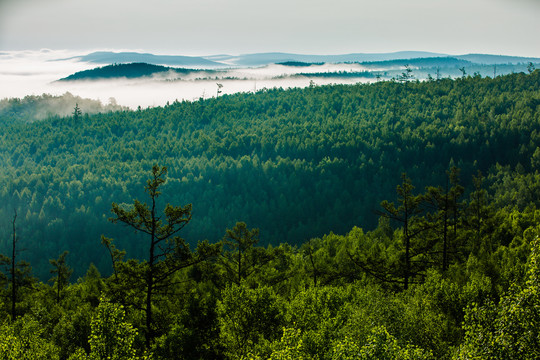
x,y
206,27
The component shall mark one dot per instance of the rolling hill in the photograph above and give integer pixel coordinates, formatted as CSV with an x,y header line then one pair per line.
x,y
109,57
129,71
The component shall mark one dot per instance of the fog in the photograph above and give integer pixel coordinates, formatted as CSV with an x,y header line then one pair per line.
x,y
36,72
31,72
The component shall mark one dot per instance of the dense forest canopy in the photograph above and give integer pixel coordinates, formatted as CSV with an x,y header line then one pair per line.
x,y
296,164
128,71
397,220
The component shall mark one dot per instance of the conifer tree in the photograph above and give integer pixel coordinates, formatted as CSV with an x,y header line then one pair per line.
x,y
19,271
62,273
241,258
410,207
445,206
77,112
167,252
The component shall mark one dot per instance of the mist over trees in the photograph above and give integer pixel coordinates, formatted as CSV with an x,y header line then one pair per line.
x,y
296,164
129,71
32,107
393,220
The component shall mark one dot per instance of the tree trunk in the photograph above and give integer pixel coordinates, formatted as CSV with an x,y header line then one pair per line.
x,y
445,230
150,277
13,280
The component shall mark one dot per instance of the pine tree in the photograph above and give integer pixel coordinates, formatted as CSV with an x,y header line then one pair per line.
x,y
19,271
167,252
77,113
410,207
62,273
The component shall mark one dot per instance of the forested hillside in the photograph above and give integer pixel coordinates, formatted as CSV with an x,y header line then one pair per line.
x,y
397,220
128,71
296,164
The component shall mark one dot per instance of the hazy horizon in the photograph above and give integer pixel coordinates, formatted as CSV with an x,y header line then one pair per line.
x,y
29,72
32,30
86,51
208,27
36,72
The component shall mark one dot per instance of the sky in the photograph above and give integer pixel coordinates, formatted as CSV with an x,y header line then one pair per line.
x,y
207,27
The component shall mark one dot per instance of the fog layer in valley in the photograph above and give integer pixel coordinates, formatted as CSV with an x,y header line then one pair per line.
x,y
36,72
25,73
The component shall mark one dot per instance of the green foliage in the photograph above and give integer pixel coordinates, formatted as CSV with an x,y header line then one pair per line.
x,y
62,271
192,330
238,260
111,338
319,313
23,340
289,347
249,319
129,71
241,260
40,107
338,74
17,276
407,215
346,349
72,330
167,252
77,112
511,328
296,164
380,345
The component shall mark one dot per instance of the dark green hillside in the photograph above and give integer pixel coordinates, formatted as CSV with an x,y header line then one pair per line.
x,y
129,71
296,164
299,63
411,212
339,74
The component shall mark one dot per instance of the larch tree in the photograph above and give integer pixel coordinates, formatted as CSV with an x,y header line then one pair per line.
x,y
407,214
445,206
167,253
61,272
241,257
19,271
77,112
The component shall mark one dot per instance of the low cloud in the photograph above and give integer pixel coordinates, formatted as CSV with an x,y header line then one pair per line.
x,y
36,72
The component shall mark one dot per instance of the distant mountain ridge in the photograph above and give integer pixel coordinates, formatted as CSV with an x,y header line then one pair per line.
x,y
420,62
488,59
261,59
109,57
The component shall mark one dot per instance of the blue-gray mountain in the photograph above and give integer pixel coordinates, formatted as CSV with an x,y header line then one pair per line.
x,y
260,59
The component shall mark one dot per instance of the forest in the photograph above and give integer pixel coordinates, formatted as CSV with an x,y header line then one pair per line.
x,y
128,71
32,107
393,220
